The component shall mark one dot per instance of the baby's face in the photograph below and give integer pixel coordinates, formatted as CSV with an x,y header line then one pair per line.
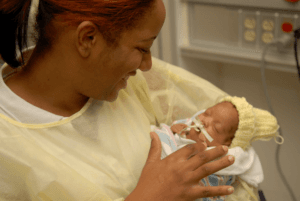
x,y
221,122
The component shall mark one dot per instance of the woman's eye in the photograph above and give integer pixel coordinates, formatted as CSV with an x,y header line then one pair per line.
x,y
144,51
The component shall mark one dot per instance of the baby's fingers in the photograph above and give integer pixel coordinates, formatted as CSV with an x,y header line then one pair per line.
x,y
198,191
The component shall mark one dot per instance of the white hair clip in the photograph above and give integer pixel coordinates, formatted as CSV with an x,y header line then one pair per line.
x,y
34,7
33,11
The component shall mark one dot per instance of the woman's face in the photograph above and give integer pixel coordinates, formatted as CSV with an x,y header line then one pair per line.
x,y
221,122
109,68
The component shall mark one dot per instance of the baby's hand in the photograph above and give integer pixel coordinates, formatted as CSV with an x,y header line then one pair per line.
x,y
196,136
177,128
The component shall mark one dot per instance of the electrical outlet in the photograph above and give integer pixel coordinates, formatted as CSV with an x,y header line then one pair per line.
x,y
267,28
248,29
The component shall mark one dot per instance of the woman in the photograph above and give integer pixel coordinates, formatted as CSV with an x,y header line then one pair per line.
x,y
68,131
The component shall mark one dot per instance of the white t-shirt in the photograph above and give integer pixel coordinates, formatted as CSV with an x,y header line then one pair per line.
x,y
20,110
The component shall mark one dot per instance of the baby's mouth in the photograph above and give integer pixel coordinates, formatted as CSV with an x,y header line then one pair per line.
x,y
200,128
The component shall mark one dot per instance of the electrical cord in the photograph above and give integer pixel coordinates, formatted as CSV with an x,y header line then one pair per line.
x,y
297,36
281,42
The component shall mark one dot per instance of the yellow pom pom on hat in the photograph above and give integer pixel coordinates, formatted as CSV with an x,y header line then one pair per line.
x,y
254,124
267,126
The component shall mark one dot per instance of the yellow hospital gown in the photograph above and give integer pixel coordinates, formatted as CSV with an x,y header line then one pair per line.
x,y
99,152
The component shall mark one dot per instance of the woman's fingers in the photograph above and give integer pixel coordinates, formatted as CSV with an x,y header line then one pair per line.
x,y
197,162
211,191
210,168
155,149
186,152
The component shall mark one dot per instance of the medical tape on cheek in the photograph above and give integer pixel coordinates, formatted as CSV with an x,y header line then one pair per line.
x,y
199,124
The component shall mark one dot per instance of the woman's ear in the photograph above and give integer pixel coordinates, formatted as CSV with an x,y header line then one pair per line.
x,y
86,36
176,128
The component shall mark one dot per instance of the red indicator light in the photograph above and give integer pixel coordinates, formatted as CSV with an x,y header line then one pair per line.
x,y
287,27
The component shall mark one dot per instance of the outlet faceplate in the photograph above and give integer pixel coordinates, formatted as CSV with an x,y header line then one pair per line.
x,y
268,28
257,28
248,29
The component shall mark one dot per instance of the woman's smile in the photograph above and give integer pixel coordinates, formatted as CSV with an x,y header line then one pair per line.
x,y
125,82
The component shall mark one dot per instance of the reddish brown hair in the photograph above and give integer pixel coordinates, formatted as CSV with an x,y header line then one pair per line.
x,y
112,18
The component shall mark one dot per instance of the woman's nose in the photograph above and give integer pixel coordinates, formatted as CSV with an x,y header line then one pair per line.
x,y
146,63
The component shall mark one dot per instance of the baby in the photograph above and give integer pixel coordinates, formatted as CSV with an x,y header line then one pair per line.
x,y
219,122
232,122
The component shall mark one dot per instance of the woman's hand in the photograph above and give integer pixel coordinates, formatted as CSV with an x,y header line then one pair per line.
x,y
176,177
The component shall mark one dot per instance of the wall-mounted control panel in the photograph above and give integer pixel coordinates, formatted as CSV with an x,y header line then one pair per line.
x,y
258,28
287,5
249,28
237,31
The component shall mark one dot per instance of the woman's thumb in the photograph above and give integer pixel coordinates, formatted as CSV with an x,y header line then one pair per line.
x,y
155,148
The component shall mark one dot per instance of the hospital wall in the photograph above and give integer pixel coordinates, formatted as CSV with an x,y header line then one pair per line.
x,y
245,81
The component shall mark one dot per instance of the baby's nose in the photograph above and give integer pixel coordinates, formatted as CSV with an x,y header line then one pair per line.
x,y
206,121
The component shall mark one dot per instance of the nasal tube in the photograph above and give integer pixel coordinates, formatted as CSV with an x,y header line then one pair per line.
x,y
199,127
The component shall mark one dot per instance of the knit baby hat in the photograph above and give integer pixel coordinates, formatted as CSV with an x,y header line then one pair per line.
x,y
254,124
